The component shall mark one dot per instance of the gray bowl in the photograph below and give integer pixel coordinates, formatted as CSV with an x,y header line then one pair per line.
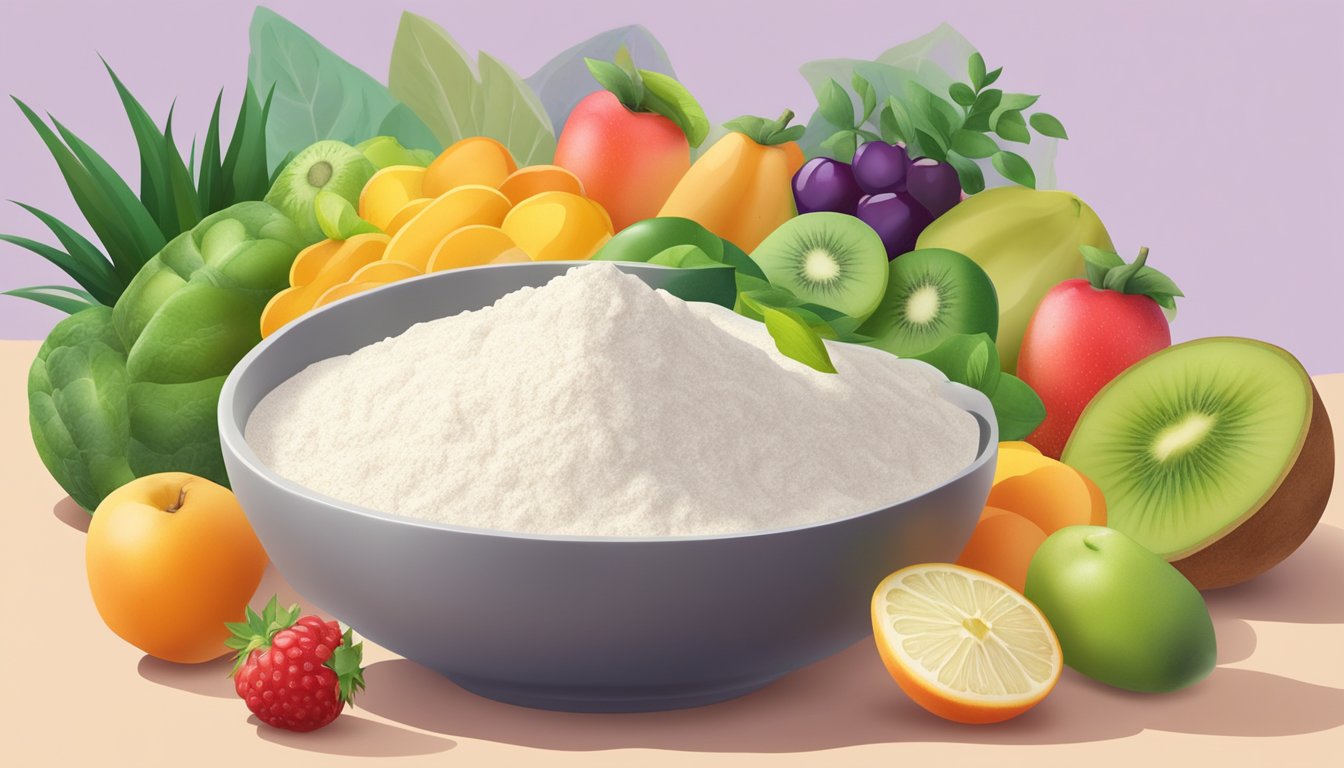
x,y
593,624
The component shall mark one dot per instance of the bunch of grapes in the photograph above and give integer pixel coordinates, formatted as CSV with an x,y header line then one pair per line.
x,y
884,187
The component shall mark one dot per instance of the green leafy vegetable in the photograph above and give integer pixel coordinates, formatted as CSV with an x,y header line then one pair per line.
x,y
317,94
433,76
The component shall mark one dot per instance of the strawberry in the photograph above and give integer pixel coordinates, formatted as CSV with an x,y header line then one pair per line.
x,y
294,673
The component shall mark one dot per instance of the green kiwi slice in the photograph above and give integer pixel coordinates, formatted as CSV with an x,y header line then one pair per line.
x,y
332,166
831,259
932,294
1216,454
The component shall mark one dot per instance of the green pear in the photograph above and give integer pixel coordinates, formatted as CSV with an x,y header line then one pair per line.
x,y
1123,615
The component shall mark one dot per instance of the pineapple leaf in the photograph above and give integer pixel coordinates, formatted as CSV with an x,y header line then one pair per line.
x,y
87,265
246,175
182,193
209,189
60,297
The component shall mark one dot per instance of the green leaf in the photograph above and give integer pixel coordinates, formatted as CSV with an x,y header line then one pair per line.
x,y
767,132
1048,125
243,168
970,359
835,105
612,77
669,98
968,173
900,117
888,130
867,96
842,145
975,68
795,338
62,298
181,197
81,259
1017,407
1097,263
991,77
986,102
337,218
1014,168
977,364
931,145
209,181
513,116
972,144
1012,127
431,74
318,95
564,80
1016,102
685,257
961,93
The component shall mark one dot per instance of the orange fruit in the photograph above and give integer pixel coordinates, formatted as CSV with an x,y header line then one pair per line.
x,y
473,160
962,644
1002,545
170,559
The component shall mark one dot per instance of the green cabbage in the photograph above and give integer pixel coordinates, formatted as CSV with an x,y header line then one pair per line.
x,y
125,392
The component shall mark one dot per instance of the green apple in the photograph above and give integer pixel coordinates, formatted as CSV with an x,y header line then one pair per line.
x,y
1123,615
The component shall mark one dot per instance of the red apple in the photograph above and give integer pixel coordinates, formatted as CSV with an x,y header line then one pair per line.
x,y
1086,331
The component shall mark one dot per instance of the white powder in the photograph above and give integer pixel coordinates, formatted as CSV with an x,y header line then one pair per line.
x,y
597,406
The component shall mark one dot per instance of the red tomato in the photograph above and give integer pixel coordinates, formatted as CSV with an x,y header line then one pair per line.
x,y
628,161
1080,338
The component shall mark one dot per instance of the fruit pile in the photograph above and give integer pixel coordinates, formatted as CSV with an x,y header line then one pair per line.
x,y
1133,473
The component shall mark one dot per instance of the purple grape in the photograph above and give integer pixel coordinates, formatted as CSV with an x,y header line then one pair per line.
x,y
823,184
935,185
881,167
896,217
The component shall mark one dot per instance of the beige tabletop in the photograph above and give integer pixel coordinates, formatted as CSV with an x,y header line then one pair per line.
x,y
75,694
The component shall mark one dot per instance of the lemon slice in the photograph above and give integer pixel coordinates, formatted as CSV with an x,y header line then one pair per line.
x,y
963,644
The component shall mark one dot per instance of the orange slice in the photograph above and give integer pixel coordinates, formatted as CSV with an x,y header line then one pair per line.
x,y
963,644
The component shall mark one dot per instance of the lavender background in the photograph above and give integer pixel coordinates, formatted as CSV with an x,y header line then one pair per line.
x,y
1209,132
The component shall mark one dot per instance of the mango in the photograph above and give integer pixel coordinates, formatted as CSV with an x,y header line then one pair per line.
x,y
555,226
384,271
388,191
473,204
334,268
408,211
1027,241
474,160
471,246
338,292
311,260
535,179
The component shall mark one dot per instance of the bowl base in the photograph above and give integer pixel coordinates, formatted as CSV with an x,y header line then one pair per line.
x,y
607,700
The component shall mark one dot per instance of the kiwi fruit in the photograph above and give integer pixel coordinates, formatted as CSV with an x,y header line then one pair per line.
x,y
932,293
328,165
825,258
1216,454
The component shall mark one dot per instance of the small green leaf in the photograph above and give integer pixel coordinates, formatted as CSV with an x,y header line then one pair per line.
x,y
841,145
1012,127
992,76
1048,125
835,105
670,99
684,257
975,68
1016,102
900,118
977,364
610,76
966,358
1017,407
867,95
1014,168
968,173
62,298
976,121
1097,263
337,217
888,130
931,146
795,338
986,102
972,144
961,93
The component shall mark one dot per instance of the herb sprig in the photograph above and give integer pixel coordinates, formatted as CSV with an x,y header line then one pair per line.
x,y
959,131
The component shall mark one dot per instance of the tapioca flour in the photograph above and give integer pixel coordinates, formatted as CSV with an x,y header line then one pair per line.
x,y
595,405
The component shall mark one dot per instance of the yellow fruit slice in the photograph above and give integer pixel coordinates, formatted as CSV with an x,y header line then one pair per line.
x,y
474,160
470,246
338,292
388,191
384,271
311,260
414,243
963,644
282,308
408,211
512,256
1014,462
558,226
535,179
338,267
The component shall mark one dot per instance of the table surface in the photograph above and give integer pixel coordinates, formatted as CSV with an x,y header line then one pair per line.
x,y
76,692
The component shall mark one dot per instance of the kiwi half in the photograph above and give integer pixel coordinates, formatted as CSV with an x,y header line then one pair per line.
x,y
932,294
1216,454
831,259
328,165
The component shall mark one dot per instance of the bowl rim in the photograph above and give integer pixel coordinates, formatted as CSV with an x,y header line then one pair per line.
x,y
232,440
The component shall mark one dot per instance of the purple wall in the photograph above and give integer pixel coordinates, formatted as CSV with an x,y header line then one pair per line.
x,y
1211,136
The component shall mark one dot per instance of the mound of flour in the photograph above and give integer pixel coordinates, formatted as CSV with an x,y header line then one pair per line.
x,y
594,405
